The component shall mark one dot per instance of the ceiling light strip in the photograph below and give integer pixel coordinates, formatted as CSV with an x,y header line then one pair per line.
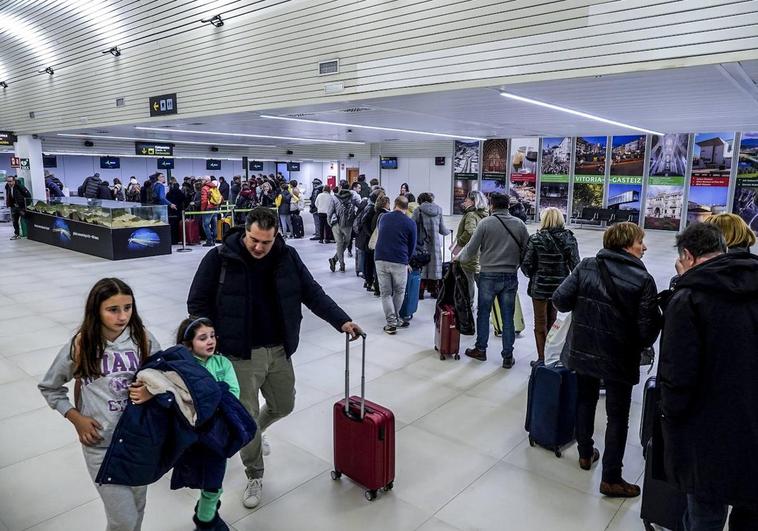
x,y
576,113
373,127
163,140
247,135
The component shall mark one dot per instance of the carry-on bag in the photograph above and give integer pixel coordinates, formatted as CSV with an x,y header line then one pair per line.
x,y
497,320
192,231
447,338
222,227
410,301
662,504
551,407
364,436
298,230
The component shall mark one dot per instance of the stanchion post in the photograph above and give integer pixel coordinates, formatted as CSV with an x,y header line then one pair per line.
x,y
184,248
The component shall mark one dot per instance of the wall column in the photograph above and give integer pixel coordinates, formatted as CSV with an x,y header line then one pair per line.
x,y
28,147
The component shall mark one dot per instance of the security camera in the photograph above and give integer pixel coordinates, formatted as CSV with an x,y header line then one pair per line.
x,y
289,152
349,130
214,148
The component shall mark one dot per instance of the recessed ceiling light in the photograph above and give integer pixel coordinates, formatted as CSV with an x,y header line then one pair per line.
x,y
249,135
165,140
374,127
576,113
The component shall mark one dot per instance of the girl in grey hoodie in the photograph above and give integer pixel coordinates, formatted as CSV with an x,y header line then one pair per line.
x,y
103,357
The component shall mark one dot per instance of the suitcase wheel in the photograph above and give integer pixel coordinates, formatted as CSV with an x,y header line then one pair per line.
x,y
498,334
435,348
457,357
442,357
370,495
531,441
558,452
648,525
336,475
389,486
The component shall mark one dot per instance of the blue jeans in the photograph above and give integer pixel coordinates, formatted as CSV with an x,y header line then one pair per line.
x,y
503,286
706,515
209,227
285,224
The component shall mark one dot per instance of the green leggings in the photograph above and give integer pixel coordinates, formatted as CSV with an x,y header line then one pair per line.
x,y
206,506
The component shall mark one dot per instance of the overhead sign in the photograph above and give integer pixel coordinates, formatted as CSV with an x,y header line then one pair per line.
x,y
256,165
110,163
7,138
293,166
212,164
165,164
163,105
154,149
49,161
15,162
24,164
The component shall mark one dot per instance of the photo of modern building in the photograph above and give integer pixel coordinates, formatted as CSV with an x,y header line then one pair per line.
x,y
712,154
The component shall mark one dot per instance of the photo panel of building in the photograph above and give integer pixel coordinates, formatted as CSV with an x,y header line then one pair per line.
x,y
554,177
746,187
625,181
589,176
709,182
523,182
494,166
664,201
465,172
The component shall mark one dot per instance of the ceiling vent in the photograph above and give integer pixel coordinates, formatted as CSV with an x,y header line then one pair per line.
x,y
196,123
326,68
353,110
101,132
300,115
167,126
391,139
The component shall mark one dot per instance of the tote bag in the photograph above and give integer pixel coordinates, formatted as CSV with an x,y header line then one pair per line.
x,y
556,340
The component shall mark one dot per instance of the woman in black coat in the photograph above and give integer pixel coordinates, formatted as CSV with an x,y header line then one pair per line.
x,y
611,324
551,254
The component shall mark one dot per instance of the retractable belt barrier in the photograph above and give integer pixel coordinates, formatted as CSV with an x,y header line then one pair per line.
x,y
232,211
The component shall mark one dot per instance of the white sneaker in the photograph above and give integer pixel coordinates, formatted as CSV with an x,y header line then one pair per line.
x,y
265,446
253,493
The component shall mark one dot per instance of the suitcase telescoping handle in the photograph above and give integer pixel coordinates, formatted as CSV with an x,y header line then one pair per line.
x,y
347,375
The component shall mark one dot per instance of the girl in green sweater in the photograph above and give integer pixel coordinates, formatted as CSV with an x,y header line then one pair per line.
x,y
199,336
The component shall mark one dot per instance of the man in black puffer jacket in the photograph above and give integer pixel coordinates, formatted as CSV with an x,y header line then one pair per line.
x,y
252,288
707,375
610,326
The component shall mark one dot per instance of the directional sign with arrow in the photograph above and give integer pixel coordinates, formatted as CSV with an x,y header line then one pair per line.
x,y
163,105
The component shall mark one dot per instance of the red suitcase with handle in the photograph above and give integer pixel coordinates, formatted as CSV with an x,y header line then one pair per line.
x,y
364,436
192,231
447,338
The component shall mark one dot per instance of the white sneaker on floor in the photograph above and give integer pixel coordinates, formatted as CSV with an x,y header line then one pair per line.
x,y
253,493
265,446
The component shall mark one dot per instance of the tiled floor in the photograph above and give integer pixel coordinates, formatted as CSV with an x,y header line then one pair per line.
x,y
463,460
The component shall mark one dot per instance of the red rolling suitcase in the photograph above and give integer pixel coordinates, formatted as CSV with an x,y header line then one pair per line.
x,y
447,338
364,436
192,231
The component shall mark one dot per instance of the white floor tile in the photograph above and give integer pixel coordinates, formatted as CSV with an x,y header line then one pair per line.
x,y
507,497
326,505
44,487
34,433
87,516
18,397
434,524
35,363
10,372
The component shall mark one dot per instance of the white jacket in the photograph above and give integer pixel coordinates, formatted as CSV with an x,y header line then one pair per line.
x,y
323,202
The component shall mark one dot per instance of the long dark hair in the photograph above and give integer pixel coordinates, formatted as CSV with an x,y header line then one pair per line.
x,y
88,346
188,328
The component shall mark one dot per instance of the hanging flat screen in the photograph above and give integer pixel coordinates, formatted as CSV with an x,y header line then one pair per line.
x,y
388,163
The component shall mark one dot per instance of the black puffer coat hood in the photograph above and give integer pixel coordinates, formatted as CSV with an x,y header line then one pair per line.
x,y
550,257
454,292
605,341
707,373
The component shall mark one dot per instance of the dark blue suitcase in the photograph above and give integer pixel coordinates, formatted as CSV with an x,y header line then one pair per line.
x,y
410,302
551,407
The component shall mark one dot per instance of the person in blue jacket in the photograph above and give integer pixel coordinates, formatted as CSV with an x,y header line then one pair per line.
x,y
159,192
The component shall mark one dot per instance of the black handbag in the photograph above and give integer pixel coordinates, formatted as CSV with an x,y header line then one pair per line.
x,y
421,257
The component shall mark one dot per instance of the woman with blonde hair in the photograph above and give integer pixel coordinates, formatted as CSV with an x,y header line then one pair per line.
x,y
739,237
551,254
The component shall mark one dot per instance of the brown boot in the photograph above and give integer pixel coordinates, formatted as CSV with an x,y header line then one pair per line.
x,y
619,490
476,354
586,464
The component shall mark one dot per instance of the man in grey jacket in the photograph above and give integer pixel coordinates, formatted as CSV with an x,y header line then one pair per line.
x,y
501,241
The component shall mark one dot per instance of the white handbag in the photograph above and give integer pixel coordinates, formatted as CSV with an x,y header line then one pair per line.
x,y
556,339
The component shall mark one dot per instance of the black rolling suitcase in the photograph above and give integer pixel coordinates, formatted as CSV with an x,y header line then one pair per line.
x,y
662,503
298,230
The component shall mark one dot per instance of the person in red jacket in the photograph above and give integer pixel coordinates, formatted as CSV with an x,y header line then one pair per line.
x,y
208,220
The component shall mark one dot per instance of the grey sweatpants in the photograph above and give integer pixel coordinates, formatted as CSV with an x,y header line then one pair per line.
x,y
392,281
342,236
269,371
124,506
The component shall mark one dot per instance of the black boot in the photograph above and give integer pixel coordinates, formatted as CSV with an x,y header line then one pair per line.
x,y
217,524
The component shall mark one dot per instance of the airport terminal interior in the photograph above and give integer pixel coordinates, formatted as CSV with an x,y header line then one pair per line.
x,y
636,111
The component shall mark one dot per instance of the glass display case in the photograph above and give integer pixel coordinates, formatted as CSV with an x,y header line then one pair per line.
x,y
111,214
110,229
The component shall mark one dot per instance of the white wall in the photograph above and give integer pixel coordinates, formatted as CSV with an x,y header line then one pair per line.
x,y
421,175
